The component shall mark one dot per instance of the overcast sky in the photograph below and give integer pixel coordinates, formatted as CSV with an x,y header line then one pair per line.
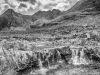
x,y
29,7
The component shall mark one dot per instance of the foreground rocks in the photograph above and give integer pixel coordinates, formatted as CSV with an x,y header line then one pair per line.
x,y
70,55
22,55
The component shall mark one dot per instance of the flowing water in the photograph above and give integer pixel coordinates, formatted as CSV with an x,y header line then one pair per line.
x,y
78,57
77,65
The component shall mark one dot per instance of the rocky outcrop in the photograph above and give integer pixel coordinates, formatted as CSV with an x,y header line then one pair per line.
x,y
46,59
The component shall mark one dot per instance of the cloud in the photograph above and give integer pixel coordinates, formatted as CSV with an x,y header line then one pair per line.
x,y
30,1
22,5
18,5
62,5
25,6
32,5
3,6
24,0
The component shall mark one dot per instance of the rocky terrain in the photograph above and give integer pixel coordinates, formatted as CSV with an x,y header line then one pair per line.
x,y
40,56
52,42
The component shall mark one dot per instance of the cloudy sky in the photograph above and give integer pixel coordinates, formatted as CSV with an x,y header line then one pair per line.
x,y
29,7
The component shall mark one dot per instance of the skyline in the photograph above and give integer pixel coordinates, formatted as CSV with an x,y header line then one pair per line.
x,y
29,7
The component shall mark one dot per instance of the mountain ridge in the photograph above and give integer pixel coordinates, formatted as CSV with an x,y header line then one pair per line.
x,y
14,19
81,10
86,5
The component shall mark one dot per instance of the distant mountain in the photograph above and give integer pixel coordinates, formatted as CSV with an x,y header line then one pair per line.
x,y
83,12
10,18
42,18
47,14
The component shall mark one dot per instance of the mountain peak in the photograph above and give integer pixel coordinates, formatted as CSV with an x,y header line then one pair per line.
x,y
9,12
54,10
48,14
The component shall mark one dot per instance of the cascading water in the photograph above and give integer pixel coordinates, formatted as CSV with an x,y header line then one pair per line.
x,y
82,57
46,56
59,57
41,70
74,58
78,57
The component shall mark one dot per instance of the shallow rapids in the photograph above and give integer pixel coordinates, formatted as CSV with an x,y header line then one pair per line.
x,y
67,60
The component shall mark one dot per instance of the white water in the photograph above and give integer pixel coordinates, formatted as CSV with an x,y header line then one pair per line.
x,y
43,70
78,57
59,57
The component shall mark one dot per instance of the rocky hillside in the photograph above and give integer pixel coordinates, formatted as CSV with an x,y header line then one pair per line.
x,y
86,5
10,18
84,12
47,14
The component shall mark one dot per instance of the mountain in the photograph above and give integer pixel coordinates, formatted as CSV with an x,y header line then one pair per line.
x,y
10,18
86,5
81,9
83,13
47,14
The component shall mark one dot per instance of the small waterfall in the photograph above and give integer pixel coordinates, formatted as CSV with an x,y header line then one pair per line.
x,y
41,70
75,59
82,57
40,64
51,66
78,57
59,57
45,62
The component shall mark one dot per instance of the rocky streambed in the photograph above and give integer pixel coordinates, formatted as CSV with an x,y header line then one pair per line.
x,y
69,60
18,57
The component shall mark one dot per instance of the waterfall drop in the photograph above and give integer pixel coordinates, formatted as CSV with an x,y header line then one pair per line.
x,y
41,70
59,57
78,57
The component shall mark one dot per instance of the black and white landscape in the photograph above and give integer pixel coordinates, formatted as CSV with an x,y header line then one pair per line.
x,y
61,41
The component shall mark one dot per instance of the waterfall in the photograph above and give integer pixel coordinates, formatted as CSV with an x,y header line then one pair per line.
x,y
59,57
78,57
40,64
82,57
40,61
41,70
75,58
44,57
